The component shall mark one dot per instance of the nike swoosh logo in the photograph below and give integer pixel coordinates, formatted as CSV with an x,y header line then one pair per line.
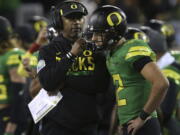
x,y
58,53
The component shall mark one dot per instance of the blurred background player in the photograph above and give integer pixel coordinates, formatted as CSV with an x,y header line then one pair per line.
x,y
168,30
29,63
12,119
37,23
171,69
170,33
165,29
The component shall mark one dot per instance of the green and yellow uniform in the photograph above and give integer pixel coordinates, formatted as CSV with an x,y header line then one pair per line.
x,y
172,72
132,90
8,60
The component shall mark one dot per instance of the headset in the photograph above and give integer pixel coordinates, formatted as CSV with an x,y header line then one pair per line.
x,y
56,17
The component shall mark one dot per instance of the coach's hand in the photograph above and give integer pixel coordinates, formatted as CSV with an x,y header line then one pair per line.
x,y
78,46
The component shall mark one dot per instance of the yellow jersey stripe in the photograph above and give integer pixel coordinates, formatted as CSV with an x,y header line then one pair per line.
x,y
139,48
132,54
14,59
122,102
172,74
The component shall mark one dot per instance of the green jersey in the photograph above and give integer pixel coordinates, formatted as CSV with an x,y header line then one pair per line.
x,y
8,60
172,73
132,90
33,63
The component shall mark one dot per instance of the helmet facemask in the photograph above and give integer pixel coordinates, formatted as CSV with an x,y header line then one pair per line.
x,y
108,38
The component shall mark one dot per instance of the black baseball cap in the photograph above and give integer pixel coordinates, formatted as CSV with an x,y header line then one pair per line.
x,y
68,7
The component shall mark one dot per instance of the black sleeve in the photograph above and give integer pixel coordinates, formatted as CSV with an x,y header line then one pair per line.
x,y
140,63
53,74
169,101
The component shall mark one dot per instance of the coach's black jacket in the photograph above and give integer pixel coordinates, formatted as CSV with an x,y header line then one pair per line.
x,y
79,81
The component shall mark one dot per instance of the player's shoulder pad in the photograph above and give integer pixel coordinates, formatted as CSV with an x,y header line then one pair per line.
x,y
134,42
137,48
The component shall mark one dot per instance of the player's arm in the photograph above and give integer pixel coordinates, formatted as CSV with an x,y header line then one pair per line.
x,y
31,72
41,40
152,73
34,87
15,77
159,88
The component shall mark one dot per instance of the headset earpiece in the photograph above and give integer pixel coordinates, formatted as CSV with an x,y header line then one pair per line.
x,y
56,18
53,21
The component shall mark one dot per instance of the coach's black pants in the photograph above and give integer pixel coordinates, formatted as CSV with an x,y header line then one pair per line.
x,y
151,127
51,128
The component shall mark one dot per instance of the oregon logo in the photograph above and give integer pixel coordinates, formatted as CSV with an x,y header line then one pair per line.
x,y
114,22
39,25
73,6
167,30
87,53
141,36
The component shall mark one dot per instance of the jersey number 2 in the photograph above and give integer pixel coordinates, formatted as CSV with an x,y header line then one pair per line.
x,y
119,87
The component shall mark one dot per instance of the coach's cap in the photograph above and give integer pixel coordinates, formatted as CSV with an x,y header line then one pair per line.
x,y
68,7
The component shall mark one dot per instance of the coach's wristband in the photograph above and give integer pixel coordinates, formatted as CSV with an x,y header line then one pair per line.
x,y
70,56
143,115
